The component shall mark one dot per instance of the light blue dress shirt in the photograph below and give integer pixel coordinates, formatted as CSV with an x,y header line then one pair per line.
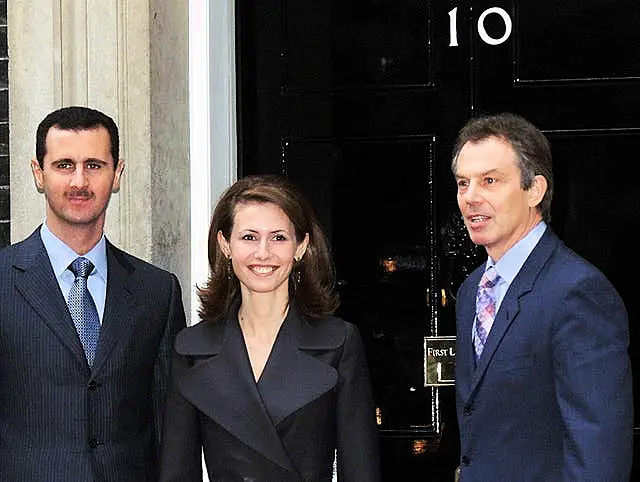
x,y
511,262
61,256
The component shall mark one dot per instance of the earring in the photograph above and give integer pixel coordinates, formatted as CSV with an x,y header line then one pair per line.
x,y
229,269
296,271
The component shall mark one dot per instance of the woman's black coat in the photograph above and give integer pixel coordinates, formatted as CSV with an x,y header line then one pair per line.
x,y
313,400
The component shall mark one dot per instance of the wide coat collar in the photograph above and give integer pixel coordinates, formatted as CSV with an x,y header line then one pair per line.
x,y
221,384
37,283
509,309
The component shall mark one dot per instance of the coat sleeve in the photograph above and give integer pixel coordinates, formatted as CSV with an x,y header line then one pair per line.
x,y
358,450
181,453
174,322
593,382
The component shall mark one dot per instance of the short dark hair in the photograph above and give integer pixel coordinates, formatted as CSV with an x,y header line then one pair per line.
x,y
76,118
314,294
530,144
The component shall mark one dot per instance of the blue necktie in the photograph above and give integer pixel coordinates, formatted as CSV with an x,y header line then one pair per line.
x,y
83,309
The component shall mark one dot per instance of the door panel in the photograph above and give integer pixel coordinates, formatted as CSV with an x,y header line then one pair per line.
x,y
558,68
359,102
577,40
382,260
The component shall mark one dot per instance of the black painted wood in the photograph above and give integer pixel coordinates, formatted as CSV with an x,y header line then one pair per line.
x,y
359,102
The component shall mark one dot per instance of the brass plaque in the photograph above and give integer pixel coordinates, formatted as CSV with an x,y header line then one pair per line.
x,y
439,360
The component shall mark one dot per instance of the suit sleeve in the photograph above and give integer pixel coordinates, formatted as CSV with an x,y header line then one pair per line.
x,y
174,322
358,450
593,382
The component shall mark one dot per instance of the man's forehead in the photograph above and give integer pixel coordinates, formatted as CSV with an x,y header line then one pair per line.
x,y
72,144
487,154
56,129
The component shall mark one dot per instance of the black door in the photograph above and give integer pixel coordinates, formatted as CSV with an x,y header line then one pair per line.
x,y
359,101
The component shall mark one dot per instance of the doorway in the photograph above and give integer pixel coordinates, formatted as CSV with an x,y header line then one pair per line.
x,y
359,102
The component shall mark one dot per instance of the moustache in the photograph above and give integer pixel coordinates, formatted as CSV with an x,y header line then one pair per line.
x,y
80,193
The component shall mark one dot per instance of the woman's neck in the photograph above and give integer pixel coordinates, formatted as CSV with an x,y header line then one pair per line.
x,y
262,315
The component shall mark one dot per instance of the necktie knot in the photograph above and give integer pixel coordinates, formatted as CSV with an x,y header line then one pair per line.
x,y
81,267
490,278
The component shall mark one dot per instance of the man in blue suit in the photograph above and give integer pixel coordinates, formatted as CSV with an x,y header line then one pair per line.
x,y
73,411
543,378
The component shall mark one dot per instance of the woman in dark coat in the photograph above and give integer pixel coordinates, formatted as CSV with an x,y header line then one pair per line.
x,y
270,384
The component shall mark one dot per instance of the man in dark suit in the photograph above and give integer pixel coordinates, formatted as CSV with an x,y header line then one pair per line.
x,y
82,387
543,379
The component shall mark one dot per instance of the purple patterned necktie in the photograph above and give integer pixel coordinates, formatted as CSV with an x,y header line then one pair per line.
x,y
83,309
485,308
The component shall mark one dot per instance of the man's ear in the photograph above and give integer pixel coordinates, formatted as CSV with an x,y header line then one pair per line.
x,y
38,175
537,190
118,175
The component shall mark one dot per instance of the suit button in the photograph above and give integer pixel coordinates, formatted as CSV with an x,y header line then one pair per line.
x,y
468,410
93,443
464,461
92,385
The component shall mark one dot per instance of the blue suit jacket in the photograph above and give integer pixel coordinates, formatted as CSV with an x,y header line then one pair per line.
x,y
61,421
551,398
313,397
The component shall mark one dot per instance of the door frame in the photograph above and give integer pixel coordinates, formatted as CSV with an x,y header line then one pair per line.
x,y
212,123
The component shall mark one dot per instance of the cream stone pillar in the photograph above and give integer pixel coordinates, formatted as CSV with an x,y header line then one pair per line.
x,y
128,58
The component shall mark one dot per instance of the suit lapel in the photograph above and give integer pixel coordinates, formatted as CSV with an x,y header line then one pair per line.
x,y
510,306
119,305
466,312
505,316
36,282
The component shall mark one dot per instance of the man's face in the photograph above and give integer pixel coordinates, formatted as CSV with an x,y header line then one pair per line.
x,y
497,211
77,178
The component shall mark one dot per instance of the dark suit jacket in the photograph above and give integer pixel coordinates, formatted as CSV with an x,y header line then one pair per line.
x,y
313,397
550,399
60,421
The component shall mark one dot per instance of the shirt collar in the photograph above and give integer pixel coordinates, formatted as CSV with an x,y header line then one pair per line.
x,y
510,263
61,255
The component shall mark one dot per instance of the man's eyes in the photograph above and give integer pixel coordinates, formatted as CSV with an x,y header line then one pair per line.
x,y
91,165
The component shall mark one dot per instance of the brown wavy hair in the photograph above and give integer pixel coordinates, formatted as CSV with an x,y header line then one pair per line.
x,y
312,280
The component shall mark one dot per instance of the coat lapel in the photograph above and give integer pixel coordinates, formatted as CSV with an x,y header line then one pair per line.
x,y
119,305
221,384
36,282
510,306
293,377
